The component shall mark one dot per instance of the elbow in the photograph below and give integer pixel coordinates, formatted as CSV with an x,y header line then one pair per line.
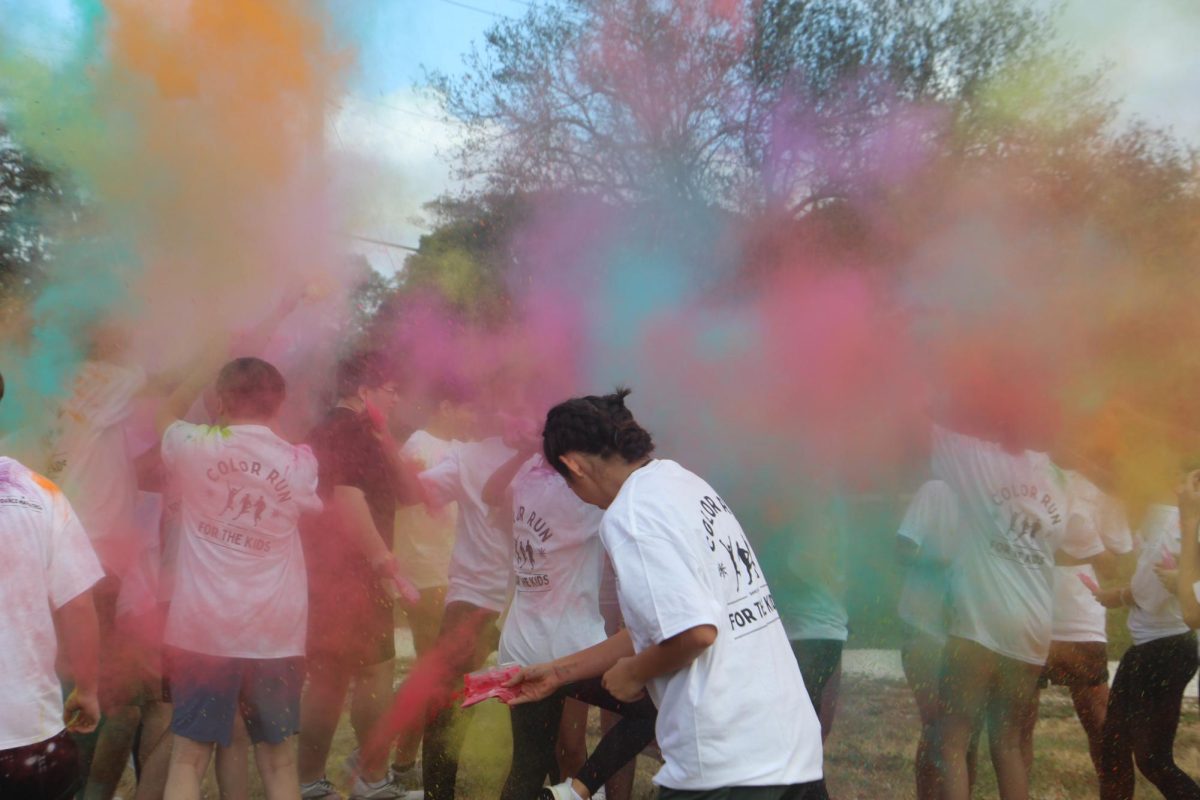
x,y
703,636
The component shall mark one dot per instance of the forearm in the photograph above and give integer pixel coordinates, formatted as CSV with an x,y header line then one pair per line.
x,y
594,661
80,635
673,654
493,490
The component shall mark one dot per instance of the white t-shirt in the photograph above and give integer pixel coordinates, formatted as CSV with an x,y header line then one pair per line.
x,y
481,562
425,539
1013,511
47,562
739,714
809,568
1078,616
558,561
89,457
241,589
932,524
1157,614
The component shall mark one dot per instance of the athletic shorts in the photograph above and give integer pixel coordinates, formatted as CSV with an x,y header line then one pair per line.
x,y
819,660
1077,665
209,690
814,790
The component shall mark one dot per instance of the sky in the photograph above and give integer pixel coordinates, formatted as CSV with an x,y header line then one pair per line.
x,y
388,121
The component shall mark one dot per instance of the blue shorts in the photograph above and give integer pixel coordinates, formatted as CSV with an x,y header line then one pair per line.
x,y
209,690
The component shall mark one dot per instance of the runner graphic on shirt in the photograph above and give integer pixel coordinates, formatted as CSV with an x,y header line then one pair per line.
x,y
747,558
233,493
728,545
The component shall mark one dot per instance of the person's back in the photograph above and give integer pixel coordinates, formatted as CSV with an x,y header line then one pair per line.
x,y
241,587
48,568
746,686
235,631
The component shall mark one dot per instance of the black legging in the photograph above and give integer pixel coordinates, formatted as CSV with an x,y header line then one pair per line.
x,y
47,770
1143,713
535,731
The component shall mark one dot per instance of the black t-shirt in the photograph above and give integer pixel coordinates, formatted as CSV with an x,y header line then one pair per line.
x,y
349,454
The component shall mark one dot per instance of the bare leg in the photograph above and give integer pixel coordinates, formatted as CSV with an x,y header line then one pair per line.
x,y
372,698
320,709
922,660
233,764
1011,715
113,745
277,766
1091,704
155,750
189,762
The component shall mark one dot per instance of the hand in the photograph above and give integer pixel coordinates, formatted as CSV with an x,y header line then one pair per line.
x,y
534,683
521,433
622,681
1110,598
1168,577
1188,494
389,567
81,712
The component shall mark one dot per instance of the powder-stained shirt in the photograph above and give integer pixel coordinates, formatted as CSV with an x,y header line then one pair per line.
x,y
89,457
241,588
739,714
1156,613
481,563
558,562
1078,616
931,523
47,562
424,538
1013,514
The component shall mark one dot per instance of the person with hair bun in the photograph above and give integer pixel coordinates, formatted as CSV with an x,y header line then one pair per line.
x,y
703,638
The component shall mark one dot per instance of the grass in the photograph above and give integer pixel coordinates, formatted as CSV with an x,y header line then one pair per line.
x,y
868,756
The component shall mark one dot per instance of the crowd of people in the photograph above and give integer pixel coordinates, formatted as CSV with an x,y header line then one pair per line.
x,y
182,582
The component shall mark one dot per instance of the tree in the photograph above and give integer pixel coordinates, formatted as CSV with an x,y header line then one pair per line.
x,y
24,244
743,104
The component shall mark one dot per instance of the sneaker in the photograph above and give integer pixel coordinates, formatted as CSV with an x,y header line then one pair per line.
x,y
600,795
384,790
559,791
319,790
406,778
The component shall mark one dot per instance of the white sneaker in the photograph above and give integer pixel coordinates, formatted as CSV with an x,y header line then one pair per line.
x,y
600,795
384,790
559,791
319,790
409,779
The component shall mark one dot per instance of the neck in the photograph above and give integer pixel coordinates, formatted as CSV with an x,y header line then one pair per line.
x,y
615,473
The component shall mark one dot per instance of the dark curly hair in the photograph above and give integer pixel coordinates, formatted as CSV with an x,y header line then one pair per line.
x,y
597,424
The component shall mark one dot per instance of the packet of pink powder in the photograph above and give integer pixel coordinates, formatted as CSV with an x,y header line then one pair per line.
x,y
1089,582
489,683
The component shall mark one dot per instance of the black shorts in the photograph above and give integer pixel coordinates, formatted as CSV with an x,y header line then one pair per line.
x,y
819,660
1077,665
351,621
46,770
